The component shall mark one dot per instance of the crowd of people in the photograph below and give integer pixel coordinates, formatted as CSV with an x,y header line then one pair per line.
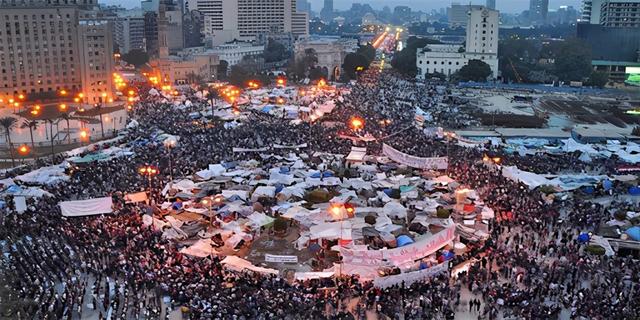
x,y
114,267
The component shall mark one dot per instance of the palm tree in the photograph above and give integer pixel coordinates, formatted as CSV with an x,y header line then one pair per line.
x,y
32,125
8,123
66,116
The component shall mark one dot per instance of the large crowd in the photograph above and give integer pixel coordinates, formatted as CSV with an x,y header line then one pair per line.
x,y
532,267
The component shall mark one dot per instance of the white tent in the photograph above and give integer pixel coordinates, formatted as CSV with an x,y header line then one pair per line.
x,y
202,248
86,207
239,265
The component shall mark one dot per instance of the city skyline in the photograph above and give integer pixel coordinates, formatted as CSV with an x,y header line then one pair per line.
x,y
510,6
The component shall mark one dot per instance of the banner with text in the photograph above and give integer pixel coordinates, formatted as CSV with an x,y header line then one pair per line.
x,y
401,255
284,259
438,163
410,277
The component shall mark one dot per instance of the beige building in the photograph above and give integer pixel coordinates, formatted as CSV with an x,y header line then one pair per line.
x,y
187,67
228,20
51,45
331,52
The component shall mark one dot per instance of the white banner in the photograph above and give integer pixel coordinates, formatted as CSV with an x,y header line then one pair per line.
x,y
86,207
280,146
250,150
401,255
438,163
410,277
276,258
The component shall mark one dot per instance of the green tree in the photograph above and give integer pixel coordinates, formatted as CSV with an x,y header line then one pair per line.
x,y
367,51
8,123
598,79
239,76
354,63
275,51
223,69
305,63
405,60
475,70
573,60
31,125
194,78
136,57
316,74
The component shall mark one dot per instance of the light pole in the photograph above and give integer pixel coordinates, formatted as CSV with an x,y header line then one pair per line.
x,y
170,143
149,171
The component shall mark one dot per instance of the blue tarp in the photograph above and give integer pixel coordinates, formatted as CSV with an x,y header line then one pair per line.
x,y
634,233
583,238
316,175
607,184
327,174
177,205
634,191
267,108
284,170
588,190
403,240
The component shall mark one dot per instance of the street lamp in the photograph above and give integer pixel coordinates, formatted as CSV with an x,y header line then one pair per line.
x,y
149,172
170,143
357,123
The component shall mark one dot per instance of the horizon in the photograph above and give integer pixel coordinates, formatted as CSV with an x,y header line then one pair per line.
x,y
506,6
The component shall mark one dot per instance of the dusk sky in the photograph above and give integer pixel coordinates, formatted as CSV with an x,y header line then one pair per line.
x,y
503,5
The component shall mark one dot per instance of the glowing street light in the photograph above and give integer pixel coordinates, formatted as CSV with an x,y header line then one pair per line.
x,y
23,150
357,123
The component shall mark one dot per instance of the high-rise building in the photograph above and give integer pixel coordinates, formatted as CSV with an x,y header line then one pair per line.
x,y
481,44
53,45
538,10
618,13
327,11
129,34
304,6
491,4
151,32
226,20
457,14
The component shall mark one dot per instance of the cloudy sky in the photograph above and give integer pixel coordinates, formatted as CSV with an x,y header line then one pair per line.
x,y
503,5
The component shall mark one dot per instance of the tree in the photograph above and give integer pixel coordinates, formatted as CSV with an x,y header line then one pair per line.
x,y
305,62
223,69
475,70
573,60
405,60
239,76
8,123
194,78
275,51
136,57
438,75
31,125
598,79
316,74
368,51
66,117
354,63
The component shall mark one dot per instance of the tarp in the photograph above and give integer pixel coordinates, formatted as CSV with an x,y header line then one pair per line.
x,y
20,204
410,277
439,163
135,197
202,248
301,276
403,240
46,175
239,265
86,207
263,191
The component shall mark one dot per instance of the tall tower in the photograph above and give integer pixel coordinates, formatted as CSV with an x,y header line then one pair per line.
x,y
491,4
163,45
538,10
327,10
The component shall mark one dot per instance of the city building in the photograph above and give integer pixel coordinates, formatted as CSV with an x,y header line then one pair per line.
x,y
615,11
304,6
491,4
331,52
228,20
48,47
620,14
150,5
481,44
401,14
286,39
538,10
457,14
326,14
193,23
129,34
233,52
194,66
151,33
612,29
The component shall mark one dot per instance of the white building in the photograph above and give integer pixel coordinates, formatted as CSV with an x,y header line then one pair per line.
x,y
228,20
481,44
457,14
129,32
234,52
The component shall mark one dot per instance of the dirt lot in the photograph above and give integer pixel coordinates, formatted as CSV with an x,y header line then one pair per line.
x,y
590,111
